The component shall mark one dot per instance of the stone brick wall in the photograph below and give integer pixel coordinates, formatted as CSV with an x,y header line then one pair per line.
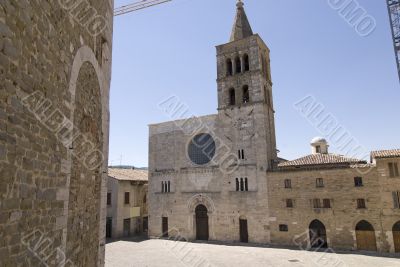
x,y
54,119
341,219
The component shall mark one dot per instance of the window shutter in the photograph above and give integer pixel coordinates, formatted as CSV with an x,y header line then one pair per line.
x,y
396,200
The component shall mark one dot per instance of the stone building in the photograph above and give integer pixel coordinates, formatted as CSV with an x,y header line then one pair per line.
x,y
126,203
218,177
55,67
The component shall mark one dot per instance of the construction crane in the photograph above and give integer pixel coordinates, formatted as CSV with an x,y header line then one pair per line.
x,y
137,6
394,14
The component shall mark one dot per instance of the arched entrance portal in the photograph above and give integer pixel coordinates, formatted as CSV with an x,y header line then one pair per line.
x,y
396,237
365,234
201,223
318,235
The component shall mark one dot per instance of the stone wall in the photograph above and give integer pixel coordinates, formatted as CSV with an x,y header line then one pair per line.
x,y
55,67
341,219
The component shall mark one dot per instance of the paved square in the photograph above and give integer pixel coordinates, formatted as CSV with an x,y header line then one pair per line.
x,y
155,253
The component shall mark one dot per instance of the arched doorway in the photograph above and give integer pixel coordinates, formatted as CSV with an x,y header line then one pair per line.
x,y
318,235
201,223
365,234
396,237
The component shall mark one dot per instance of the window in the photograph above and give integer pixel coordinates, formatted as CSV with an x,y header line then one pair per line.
x,y
145,198
289,203
316,203
238,65
169,187
288,183
327,203
229,67
241,154
318,149
166,187
201,149
109,199
393,170
358,182
232,97
246,62
246,94
396,199
283,228
127,195
361,203
242,184
320,182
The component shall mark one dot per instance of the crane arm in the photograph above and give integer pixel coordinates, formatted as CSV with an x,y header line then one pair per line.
x,y
394,14
138,5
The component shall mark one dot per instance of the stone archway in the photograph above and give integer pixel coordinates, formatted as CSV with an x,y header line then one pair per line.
x,y
202,231
90,123
318,238
365,235
396,237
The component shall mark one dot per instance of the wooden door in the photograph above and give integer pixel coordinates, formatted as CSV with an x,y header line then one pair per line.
x,y
366,240
127,227
396,240
244,234
165,226
201,223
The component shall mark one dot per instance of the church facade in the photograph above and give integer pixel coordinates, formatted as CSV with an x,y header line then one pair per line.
x,y
218,177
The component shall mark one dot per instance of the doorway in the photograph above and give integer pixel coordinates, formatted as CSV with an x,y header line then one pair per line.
x,y
318,237
201,223
365,235
244,234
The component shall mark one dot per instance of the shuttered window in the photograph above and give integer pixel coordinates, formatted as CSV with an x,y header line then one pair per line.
x,y
288,183
317,203
396,200
393,170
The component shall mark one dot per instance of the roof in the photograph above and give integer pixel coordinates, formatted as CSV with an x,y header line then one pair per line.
x,y
393,153
321,160
241,27
318,140
128,174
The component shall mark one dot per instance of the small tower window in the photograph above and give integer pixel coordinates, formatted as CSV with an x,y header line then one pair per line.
x,y
232,97
229,67
246,94
238,65
246,62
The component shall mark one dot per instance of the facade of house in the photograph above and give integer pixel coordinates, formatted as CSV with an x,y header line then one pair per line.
x,y
127,213
218,177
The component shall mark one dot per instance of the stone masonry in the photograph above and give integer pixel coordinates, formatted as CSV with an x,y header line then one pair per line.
x,y
55,67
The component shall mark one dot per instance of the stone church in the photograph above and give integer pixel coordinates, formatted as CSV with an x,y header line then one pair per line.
x,y
218,177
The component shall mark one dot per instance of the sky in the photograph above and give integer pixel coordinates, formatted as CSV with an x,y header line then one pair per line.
x,y
169,50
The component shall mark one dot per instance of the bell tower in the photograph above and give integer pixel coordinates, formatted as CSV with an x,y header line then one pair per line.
x,y
245,102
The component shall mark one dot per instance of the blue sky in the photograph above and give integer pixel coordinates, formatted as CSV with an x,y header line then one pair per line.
x,y
170,50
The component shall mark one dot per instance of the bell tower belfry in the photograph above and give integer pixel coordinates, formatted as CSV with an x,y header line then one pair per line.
x,y
245,93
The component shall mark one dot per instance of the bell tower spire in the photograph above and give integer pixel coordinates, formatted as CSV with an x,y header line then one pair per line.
x,y
241,27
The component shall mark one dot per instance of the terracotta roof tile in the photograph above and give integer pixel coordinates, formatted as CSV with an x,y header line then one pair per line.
x,y
128,174
320,159
394,153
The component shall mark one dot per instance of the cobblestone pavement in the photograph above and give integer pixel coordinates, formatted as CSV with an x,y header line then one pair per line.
x,y
154,253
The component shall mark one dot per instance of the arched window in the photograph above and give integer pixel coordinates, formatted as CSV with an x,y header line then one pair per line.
x,y
169,186
229,67
246,62
238,65
162,187
241,184
232,97
246,185
237,184
246,94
